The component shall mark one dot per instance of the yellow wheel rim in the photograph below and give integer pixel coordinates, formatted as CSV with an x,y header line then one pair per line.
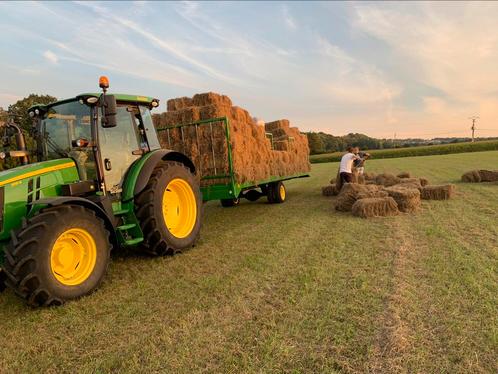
x,y
281,190
179,208
73,256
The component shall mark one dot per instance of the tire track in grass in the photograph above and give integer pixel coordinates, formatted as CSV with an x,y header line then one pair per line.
x,y
394,337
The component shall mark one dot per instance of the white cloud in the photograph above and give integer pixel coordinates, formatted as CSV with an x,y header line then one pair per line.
x,y
288,19
51,57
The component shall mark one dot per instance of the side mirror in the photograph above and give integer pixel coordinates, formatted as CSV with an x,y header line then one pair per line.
x,y
108,104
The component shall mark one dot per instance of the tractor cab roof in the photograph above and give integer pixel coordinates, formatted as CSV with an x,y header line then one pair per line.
x,y
132,99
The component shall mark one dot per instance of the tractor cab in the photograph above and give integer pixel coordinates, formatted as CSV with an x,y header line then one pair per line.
x,y
103,154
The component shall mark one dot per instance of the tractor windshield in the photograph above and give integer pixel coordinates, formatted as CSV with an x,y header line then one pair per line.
x,y
61,125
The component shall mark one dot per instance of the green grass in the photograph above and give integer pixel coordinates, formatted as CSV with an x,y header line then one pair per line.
x,y
296,287
429,150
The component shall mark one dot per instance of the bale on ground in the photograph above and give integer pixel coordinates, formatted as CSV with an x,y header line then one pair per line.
x,y
410,183
349,194
407,198
375,207
386,179
440,192
472,176
404,174
330,190
423,181
369,176
488,175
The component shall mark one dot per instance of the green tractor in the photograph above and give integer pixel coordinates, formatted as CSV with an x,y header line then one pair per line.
x,y
102,181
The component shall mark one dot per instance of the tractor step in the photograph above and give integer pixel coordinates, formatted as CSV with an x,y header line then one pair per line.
x,y
126,227
133,241
121,212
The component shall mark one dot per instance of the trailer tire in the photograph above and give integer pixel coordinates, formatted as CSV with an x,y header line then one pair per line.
x,y
59,254
169,209
277,193
227,203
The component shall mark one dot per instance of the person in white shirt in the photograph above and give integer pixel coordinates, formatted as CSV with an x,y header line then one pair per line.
x,y
346,167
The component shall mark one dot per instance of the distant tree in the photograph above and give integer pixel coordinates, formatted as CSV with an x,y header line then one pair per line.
x,y
20,108
3,115
315,143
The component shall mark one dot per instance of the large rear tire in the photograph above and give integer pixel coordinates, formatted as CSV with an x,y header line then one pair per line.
x,y
60,254
169,209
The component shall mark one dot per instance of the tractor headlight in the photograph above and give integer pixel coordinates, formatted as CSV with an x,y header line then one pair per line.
x,y
37,111
2,155
31,114
155,103
92,100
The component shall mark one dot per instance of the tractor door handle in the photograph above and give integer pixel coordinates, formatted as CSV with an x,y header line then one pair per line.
x,y
107,164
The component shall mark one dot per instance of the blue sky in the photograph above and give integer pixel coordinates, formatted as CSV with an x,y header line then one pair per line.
x,y
414,69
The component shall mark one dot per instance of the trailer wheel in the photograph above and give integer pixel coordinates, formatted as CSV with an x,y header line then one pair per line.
x,y
169,209
252,195
227,203
62,253
276,193
2,280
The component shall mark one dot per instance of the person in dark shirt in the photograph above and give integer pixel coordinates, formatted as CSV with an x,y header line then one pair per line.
x,y
359,163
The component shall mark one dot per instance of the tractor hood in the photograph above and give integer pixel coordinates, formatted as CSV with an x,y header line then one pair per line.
x,y
21,186
15,175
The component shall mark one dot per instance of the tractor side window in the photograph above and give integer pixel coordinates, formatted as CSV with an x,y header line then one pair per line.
x,y
150,131
61,125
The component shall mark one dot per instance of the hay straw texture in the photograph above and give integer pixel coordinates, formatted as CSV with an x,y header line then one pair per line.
x,y
424,181
253,158
488,175
369,176
349,194
375,207
330,190
441,192
386,179
408,199
472,176
404,174
410,183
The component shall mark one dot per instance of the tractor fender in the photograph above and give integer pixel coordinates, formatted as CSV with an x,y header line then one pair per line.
x,y
99,211
139,178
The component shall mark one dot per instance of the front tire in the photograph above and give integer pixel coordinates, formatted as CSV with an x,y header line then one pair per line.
x,y
169,209
228,203
60,254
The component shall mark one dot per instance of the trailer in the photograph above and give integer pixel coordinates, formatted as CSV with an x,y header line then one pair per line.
x,y
220,183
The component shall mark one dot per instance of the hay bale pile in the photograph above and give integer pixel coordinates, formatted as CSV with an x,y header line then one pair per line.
x,y
253,158
375,207
477,176
404,174
441,192
407,198
386,179
350,192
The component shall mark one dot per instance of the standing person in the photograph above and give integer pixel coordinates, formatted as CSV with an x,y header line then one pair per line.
x,y
359,164
346,167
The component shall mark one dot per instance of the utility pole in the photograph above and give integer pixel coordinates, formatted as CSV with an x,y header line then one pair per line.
x,y
473,128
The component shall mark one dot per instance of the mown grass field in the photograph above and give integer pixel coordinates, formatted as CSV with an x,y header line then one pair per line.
x,y
429,150
296,287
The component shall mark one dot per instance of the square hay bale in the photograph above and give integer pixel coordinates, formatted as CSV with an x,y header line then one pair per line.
x,y
375,207
410,183
369,176
437,192
407,198
404,174
423,181
330,190
472,176
488,175
349,194
386,179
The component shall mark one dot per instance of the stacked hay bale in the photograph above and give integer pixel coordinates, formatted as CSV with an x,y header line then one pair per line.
x,y
351,192
386,179
253,158
476,176
330,190
375,207
407,198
